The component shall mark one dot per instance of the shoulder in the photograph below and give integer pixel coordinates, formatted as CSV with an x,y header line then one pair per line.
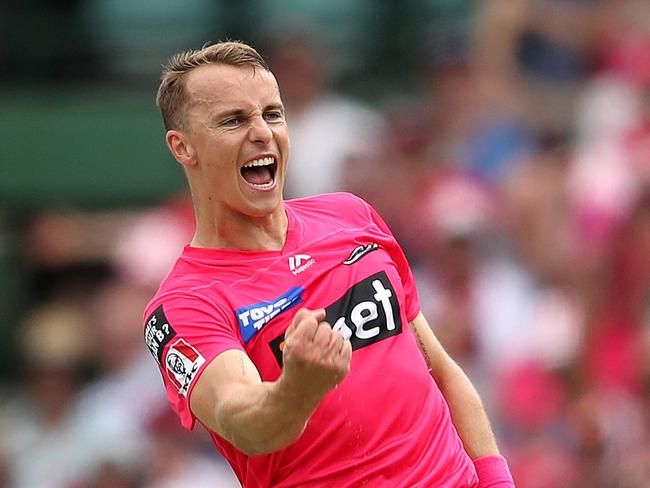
x,y
337,211
187,288
194,270
339,205
181,302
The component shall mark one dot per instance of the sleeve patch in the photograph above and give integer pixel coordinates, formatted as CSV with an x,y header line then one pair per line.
x,y
157,333
182,362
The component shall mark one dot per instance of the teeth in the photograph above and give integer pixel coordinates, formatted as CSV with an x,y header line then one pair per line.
x,y
266,186
260,162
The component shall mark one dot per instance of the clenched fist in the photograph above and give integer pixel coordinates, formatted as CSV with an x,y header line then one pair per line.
x,y
315,357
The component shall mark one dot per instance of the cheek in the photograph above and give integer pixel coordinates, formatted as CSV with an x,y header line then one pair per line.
x,y
221,163
282,139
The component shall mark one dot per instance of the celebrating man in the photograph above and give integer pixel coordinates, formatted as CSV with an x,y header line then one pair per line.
x,y
291,329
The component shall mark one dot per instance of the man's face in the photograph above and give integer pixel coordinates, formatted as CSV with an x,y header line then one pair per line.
x,y
237,127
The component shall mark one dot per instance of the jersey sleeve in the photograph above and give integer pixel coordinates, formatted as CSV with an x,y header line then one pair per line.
x,y
184,333
401,262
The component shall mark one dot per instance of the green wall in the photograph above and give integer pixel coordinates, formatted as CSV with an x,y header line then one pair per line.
x,y
88,147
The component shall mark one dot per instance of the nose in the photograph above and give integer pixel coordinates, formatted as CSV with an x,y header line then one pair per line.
x,y
260,132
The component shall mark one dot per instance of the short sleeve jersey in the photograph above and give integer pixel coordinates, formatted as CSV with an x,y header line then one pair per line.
x,y
386,424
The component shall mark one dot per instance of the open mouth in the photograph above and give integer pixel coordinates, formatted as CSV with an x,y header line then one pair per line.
x,y
260,173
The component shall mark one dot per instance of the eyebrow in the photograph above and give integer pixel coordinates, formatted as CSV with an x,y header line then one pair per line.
x,y
274,106
240,112
227,113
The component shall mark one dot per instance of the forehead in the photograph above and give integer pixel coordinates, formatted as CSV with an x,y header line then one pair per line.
x,y
228,87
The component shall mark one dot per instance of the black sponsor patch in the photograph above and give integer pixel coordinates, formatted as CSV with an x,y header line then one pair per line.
x,y
368,313
157,333
277,347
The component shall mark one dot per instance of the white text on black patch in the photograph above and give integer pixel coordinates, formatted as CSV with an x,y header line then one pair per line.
x,y
157,333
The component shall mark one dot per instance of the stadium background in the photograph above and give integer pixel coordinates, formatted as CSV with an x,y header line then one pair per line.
x,y
506,142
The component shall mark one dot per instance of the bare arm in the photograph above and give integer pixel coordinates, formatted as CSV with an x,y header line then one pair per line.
x,y
467,412
260,417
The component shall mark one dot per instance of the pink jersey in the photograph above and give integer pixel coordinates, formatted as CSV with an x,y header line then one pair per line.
x,y
386,424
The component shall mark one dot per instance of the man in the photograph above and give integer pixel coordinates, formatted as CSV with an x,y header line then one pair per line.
x,y
291,329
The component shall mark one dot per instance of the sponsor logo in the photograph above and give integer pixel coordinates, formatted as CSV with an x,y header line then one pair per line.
x,y
277,347
360,251
157,333
253,317
300,262
182,362
368,313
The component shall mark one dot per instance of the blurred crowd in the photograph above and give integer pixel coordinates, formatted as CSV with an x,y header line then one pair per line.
x,y
517,180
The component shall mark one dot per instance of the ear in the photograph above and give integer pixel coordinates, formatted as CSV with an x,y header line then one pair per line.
x,y
181,148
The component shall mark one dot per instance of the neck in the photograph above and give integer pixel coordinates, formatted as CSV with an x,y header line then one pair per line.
x,y
238,231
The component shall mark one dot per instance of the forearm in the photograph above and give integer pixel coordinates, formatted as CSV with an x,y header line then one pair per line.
x,y
263,418
467,413
259,417
473,427
466,409
256,416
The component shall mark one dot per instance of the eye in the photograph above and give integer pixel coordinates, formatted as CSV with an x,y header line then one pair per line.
x,y
231,122
273,116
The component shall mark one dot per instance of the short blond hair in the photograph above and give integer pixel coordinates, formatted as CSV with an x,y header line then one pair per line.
x,y
172,98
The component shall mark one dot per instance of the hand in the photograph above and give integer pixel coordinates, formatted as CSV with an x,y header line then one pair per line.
x,y
316,358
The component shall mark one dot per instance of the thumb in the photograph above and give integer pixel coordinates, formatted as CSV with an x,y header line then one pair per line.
x,y
318,314
301,315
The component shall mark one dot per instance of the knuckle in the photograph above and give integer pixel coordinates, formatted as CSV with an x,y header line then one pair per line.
x,y
301,315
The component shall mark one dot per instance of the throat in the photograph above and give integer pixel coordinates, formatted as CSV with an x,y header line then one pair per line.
x,y
235,230
258,175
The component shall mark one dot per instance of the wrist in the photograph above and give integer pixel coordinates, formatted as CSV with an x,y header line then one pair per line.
x,y
493,472
302,401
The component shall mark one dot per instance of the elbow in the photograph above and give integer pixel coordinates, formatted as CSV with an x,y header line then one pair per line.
x,y
263,443
260,447
447,373
251,450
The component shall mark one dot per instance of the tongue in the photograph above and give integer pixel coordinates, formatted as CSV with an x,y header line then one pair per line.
x,y
258,175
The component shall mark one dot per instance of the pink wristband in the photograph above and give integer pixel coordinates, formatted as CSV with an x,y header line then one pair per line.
x,y
493,472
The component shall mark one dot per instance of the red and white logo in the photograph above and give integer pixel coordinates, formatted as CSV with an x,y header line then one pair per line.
x,y
300,262
182,362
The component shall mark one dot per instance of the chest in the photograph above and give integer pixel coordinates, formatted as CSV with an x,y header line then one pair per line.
x,y
350,274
